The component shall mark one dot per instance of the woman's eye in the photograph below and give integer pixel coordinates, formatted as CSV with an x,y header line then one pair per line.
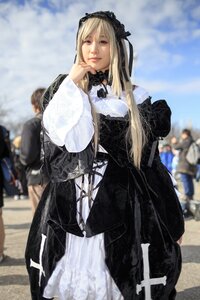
x,y
103,42
86,42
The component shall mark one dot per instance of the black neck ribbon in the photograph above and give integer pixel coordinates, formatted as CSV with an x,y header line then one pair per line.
x,y
98,79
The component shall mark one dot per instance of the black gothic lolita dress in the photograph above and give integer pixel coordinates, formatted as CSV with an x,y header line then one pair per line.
x,y
103,230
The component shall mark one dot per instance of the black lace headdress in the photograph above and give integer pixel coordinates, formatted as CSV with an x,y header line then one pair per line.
x,y
120,33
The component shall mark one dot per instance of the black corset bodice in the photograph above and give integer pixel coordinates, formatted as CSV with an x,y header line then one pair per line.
x,y
112,137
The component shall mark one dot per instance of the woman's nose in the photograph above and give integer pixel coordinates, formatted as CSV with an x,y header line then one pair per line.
x,y
94,47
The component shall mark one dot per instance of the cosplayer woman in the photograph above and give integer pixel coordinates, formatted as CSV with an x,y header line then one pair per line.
x,y
108,223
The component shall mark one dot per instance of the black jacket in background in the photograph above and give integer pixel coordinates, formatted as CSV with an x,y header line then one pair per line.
x,y
31,149
4,152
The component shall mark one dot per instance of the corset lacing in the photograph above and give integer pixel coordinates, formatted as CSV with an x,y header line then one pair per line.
x,y
100,161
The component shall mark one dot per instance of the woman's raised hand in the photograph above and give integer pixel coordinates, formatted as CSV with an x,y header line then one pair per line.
x,y
78,71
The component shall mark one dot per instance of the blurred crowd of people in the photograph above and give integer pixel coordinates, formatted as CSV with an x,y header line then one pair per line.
x,y
20,159
174,156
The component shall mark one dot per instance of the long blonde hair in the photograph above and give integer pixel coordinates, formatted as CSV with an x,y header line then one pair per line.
x,y
135,132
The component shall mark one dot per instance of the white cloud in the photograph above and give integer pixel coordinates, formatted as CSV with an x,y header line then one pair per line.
x,y
196,13
196,33
36,44
189,87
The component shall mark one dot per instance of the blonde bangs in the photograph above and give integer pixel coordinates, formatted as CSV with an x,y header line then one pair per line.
x,y
98,25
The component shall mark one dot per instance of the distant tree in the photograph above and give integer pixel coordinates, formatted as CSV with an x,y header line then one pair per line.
x,y
6,119
175,130
3,112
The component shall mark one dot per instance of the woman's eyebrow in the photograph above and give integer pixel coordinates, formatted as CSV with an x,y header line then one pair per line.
x,y
104,36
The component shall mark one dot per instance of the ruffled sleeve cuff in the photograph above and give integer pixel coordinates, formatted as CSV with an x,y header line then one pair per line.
x,y
68,118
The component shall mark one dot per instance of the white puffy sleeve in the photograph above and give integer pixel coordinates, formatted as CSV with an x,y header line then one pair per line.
x,y
68,119
140,94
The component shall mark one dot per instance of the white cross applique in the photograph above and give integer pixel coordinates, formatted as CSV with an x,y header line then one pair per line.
x,y
39,265
148,282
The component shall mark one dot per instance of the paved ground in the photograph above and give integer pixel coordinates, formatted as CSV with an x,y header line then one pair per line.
x,y
13,277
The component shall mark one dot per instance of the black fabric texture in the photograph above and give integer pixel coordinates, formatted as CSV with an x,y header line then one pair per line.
x,y
123,246
61,165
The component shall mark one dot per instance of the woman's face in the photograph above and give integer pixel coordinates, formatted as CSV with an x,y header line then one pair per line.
x,y
96,51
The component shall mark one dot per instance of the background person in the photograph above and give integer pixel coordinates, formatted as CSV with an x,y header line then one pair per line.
x,y
4,152
198,163
30,154
167,156
186,170
20,169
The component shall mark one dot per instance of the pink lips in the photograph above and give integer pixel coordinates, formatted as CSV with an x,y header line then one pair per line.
x,y
94,59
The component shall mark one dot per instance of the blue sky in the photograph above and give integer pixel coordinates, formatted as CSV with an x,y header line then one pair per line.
x,y
37,43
